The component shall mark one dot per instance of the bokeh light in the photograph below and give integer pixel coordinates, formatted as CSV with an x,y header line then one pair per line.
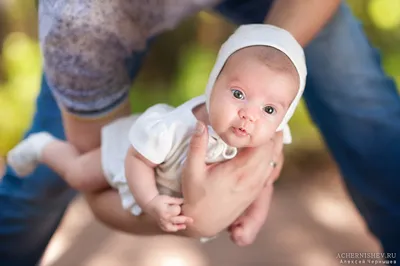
x,y
385,13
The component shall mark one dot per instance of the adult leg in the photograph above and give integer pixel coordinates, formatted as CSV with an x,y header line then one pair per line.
x,y
31,208
357,108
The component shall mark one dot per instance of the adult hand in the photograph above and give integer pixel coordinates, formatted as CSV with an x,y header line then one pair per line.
x,y
215,195
166,211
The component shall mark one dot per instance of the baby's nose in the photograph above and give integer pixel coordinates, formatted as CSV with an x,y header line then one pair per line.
x,y
249,114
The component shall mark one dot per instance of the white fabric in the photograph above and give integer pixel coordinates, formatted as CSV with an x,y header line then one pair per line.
x,y
114,146
268,35
161,135
24,157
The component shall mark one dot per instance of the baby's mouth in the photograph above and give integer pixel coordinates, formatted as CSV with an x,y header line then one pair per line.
x,y
240,131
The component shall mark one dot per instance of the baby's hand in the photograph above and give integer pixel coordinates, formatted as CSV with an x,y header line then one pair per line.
x,y
166,211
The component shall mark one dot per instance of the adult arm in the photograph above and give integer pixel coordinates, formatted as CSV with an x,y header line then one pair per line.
x,y
302,18
213,196
84,133
85,64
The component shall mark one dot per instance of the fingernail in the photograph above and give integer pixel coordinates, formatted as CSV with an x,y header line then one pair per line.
x,y
199,128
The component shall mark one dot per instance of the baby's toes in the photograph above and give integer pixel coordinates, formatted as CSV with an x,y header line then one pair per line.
x,y
243,236
249,234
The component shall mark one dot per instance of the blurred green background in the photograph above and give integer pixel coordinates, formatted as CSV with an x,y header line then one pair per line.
x,y
175,69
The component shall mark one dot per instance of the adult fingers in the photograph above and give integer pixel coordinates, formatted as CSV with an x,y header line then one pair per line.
x,y
260,163
195,161
276,162
277,170
245,170
268,193
278,146
251,158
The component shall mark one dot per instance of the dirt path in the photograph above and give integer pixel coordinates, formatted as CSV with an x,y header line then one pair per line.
x,y
311,220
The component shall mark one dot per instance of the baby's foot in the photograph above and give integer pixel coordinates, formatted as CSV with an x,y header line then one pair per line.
x,y
245,232
24,157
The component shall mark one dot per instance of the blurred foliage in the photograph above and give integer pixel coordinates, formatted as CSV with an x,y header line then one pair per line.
x,y
175,69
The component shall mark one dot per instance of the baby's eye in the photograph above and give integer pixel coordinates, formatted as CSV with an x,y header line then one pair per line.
x,y
269,109
237,94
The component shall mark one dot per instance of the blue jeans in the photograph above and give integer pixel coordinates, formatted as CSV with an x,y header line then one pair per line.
x,y
356,107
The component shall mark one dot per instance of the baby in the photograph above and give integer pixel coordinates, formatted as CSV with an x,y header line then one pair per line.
x,y
253,90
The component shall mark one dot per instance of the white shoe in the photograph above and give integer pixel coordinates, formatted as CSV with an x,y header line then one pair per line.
x,y
24,157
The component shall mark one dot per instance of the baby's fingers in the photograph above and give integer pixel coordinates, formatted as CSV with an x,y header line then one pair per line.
x,y
169,227
177,220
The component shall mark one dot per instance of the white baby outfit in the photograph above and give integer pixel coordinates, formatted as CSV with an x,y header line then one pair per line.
x,y
162,133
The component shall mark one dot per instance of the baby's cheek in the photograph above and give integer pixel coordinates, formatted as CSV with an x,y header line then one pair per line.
x,y
215,122
267,133
226,115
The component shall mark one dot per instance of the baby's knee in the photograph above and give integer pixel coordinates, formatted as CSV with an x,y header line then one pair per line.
x,y
77,178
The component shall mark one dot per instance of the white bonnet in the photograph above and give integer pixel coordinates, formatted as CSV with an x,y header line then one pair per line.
x,y
267,35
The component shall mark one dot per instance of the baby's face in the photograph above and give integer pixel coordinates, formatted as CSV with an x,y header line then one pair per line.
x,y
249,101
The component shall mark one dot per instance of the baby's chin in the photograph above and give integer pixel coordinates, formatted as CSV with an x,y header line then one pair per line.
x,y
232,142
242,143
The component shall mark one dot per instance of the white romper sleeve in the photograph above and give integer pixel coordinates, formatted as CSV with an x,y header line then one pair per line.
x,y
151,136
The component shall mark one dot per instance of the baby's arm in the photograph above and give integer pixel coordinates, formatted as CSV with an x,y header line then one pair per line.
x,y
141,181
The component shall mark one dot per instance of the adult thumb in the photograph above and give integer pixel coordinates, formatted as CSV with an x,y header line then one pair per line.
x,y
195,160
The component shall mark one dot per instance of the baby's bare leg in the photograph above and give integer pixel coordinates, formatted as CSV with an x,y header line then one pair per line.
x,y
244,231
82,172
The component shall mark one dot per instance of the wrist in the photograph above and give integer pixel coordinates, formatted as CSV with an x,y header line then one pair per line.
x,y
147,204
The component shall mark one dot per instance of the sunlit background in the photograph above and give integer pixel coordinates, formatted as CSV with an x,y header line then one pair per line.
x,y
175,70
